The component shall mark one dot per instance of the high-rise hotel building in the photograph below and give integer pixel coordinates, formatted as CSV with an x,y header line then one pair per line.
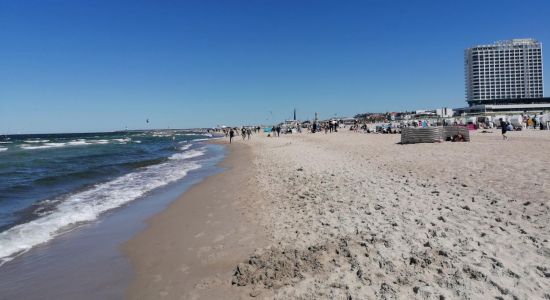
x,y
503,71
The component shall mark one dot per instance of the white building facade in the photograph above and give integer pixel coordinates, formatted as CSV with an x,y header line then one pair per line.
x,y
504,70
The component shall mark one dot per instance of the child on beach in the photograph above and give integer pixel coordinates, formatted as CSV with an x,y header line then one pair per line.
x,y
231,135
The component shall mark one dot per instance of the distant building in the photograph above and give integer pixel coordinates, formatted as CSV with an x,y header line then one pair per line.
x,y
492,109
444,112
503,71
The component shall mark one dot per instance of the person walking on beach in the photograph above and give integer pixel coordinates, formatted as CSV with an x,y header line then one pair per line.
x,y
278,130
248,132
504,128
243,132
231,135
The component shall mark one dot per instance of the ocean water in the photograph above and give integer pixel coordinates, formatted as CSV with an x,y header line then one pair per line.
x,y
51,184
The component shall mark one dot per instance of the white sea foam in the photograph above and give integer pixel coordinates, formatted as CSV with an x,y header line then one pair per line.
x,y
185,147
125,140
36,141
162,134
6,142
3,149
99,141
80,142
45,146
88,205
188,154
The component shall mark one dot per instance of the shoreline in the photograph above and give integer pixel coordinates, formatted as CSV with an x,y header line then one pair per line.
x,y
191,248
92,249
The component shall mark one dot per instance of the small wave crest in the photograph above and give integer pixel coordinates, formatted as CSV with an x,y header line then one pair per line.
x,y
99,141
80,142
123,141
36,141
188,154
185,147
3,149
45,146
33,144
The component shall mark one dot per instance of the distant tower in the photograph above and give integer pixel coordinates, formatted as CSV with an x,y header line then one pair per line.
x,y
295,114
316,116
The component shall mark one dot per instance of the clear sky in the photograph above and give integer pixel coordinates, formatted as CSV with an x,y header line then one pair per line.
x,y
69,66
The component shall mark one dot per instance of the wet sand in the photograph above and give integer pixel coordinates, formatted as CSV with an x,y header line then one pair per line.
x,y
189,251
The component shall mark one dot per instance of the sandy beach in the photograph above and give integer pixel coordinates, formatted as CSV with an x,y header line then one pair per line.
x,y
357,216
189,251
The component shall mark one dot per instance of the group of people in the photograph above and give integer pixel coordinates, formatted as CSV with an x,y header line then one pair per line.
x,y
275,130
330,126
246,132
531,122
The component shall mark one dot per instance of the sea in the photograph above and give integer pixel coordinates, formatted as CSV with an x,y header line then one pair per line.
x,y
53,184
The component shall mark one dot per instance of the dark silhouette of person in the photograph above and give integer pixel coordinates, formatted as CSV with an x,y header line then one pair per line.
x,y
504,128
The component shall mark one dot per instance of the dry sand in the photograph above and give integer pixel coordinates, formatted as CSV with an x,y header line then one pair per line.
x,y
358,216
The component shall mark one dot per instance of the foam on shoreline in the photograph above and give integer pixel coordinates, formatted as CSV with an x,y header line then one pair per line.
x,y
87,205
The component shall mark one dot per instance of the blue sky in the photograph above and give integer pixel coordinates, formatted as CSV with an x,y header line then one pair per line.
x,y
69,66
